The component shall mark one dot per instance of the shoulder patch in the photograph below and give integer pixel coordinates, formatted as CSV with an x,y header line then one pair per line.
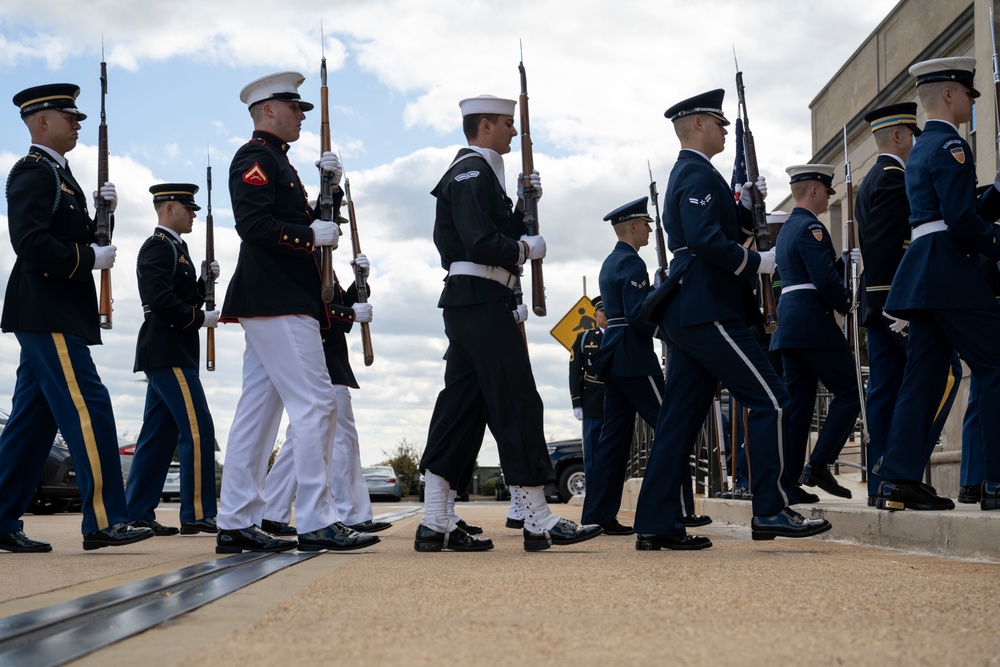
x,y
255,175
701,202
958,153
467,175
817,229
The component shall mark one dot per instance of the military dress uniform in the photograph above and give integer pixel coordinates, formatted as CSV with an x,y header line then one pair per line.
x,y
585,390
700,310
176,415
51,307
939,288
812,345
882,213
275,296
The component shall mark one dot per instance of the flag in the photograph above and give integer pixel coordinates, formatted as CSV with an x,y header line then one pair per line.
x,y
740,167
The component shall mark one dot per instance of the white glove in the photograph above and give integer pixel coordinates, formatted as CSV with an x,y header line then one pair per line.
x,y
361,261
362,312
896,325
211,319
331,163
657,278
745,191
108,194
216,272
104,256
536,246
536,184
578,413
325,233
856,259
766,262
520,313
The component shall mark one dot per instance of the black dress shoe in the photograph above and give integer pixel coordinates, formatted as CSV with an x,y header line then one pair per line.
x,y
970,495
471,530
871,501
818,474
20,543
371,526
159,530
564,532
910,495
786,523
251,538
117,535
727,495
742,493
695,520
515,523
684,542
806,497
428,539
336,537
206,525
277,527
990,496
616,528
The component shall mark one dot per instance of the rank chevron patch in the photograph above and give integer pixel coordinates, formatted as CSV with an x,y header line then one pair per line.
x,y
701,202
255,175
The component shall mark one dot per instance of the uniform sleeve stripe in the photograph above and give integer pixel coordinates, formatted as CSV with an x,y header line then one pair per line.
x,y
743,264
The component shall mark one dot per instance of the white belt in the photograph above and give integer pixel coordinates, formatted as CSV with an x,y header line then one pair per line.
x,y
502,276
928,228
793,288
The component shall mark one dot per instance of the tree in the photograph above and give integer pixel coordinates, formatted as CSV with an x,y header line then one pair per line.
x,y
405,460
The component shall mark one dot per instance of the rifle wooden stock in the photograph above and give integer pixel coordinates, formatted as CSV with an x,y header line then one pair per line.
x,y
360,281
530,203
209,276
102,217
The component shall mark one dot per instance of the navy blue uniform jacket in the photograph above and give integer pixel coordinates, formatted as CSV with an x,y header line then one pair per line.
x,y
277,272
341,316
172,294
883,216
627,347
710,267
941,270
489,227
51,287
585,390
805,254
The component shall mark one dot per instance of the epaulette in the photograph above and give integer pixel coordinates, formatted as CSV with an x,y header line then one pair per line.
x,y
38,157
891,167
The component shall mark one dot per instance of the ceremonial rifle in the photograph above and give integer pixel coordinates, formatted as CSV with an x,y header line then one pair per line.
x,y
661,245
360,282
760,233
102,217
209,274
852,325
530,203
327,188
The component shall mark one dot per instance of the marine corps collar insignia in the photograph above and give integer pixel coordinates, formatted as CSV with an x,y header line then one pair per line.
x,y
959,154
255,175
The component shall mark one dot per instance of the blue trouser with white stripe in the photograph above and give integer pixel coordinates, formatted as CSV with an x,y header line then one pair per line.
x,y
58,387
934,336
176,416
971,469
700,356
592,427
887,361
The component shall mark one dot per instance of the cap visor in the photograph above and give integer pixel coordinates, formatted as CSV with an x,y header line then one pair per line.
x,y
725,121
306,106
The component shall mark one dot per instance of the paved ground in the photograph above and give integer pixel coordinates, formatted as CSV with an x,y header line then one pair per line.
x,y
817,602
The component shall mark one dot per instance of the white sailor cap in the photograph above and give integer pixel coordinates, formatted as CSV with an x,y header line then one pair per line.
x,y
487,104
812,172
776,217
961,69
280,86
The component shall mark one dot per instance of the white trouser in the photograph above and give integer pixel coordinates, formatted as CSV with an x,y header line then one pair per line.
x,y
283,366
347,484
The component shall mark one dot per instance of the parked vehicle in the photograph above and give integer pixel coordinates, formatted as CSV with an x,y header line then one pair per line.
x,y
567,461
57,489
172,484
382,482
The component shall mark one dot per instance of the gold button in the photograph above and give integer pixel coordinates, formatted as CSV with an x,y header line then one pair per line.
x,y
307,244
46,274
285,237
296,240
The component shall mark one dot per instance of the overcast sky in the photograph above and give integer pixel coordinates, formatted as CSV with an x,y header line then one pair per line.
x,y
600,75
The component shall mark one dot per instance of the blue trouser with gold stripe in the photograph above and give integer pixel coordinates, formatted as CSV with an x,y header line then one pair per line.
x,y
58,387
887,361
176,416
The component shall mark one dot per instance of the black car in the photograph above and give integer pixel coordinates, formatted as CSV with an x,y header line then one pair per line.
x,y
567,461
57,489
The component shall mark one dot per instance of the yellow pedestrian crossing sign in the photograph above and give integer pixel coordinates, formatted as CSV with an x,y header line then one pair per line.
x,y
579,318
